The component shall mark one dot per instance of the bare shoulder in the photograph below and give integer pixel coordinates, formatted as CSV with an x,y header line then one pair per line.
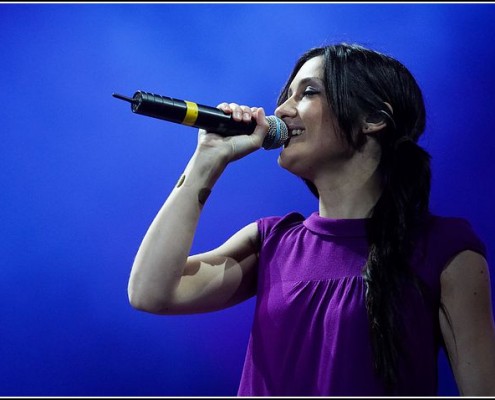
x,y
467,269
466,289
466,321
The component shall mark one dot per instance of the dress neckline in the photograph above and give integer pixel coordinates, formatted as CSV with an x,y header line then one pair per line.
x,y
336,227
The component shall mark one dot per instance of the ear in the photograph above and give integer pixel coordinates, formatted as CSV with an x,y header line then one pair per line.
x,y
372,125
375,122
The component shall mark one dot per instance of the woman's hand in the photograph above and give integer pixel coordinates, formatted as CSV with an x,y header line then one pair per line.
x,y
233,148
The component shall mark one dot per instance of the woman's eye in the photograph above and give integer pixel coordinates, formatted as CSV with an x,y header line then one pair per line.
x,y
310,92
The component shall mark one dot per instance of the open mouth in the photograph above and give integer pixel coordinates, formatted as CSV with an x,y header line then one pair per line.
x,y
293,133
296,132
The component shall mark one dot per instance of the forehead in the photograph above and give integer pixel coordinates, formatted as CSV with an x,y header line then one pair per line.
x,y
313,68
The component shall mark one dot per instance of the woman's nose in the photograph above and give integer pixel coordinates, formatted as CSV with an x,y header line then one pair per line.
x,y
286,109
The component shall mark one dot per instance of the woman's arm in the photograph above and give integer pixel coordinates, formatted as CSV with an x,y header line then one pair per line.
x,y
164,279
467,323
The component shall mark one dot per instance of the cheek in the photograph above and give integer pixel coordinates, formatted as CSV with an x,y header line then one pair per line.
x,y
328,141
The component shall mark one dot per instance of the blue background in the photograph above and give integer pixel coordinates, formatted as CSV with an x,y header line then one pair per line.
x,y
82,176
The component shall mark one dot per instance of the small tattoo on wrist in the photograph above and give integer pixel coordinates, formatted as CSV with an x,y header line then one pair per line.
x,y
181,181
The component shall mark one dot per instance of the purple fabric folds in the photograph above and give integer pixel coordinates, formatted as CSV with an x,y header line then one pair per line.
x,y
310,331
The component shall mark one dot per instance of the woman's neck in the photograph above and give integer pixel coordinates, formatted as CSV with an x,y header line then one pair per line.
x,y
352,189
348,201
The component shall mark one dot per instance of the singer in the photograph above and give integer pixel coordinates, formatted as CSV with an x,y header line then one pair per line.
x,y
357,298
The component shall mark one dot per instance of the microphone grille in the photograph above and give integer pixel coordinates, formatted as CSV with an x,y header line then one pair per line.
x,y
277,133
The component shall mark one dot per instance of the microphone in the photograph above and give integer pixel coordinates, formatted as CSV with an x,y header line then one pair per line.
x,y
204,117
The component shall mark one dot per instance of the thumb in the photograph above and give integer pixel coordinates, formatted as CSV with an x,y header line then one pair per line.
x,y
242,145
262,127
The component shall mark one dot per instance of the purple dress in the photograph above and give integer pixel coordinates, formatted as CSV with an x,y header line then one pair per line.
x,y
310,331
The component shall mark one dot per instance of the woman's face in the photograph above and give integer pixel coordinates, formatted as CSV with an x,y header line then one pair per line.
x,y
315,144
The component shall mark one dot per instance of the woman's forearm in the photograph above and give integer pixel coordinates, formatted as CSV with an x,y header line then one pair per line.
x,y
161,259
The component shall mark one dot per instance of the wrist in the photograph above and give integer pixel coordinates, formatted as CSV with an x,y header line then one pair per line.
x,y
204,169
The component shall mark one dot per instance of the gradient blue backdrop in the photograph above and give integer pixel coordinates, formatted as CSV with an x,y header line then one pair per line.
x,y
82,176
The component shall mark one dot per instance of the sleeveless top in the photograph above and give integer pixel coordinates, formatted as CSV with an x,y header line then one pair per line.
x,y
310,334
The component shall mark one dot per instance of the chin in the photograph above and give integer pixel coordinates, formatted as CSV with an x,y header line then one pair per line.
x,y
282,159
290,162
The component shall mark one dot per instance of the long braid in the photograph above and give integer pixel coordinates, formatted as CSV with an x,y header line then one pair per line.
x,y
403,203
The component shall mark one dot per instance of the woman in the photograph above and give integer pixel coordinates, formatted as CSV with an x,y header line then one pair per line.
x,y
357,298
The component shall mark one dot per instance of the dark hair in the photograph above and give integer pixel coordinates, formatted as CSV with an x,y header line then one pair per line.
x,y
359,82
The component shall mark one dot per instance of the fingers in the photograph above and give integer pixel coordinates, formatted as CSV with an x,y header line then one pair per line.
x,y
238,112
245,144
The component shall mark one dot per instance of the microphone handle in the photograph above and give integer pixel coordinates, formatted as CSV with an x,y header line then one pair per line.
x,y
189,113
204,117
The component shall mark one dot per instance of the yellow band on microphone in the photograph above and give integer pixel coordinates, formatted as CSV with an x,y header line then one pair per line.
x,y
191,113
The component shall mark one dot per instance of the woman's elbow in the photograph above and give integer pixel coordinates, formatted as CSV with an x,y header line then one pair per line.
x,y
145,301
